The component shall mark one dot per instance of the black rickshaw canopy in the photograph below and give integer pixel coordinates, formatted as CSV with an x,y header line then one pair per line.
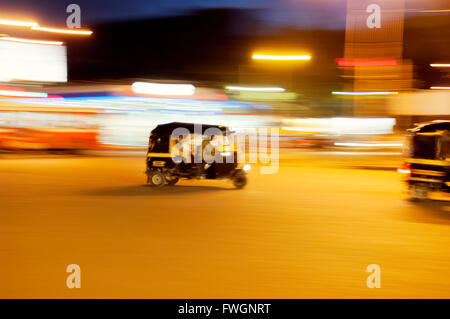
x,y
164,129
429,127
159,141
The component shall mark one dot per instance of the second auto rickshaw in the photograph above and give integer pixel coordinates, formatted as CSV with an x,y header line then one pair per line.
x,y
426,166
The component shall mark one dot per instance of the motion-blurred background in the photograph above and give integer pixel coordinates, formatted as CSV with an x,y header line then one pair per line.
x,y
341,80
325,72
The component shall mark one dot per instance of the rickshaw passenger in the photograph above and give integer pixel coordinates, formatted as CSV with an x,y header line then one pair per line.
x,y
196,155
209,149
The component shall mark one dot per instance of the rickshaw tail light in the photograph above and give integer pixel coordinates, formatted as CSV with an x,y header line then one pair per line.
x,y
404,170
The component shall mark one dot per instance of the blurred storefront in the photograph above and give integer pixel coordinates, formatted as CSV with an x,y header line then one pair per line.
x,y
419,106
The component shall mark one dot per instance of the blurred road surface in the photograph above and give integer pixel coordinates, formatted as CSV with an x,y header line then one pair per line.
x,y
308,231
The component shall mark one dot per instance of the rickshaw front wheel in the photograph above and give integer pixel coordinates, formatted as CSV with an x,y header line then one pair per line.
x,y
157,179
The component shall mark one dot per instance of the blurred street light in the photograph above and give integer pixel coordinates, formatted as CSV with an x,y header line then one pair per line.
x,y
162,89
36,27
440,87
255,89
363,93
18,23
273,57
22,93
63,31
440,65
14,39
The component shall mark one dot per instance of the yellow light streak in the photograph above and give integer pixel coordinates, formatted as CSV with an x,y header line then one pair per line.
x,y
273,57
35,26
17,23
63,31
440,65
254,89
363,93
440,87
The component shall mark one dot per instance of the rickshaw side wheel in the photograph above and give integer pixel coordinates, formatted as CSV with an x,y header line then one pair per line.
x,y
157,179
239,179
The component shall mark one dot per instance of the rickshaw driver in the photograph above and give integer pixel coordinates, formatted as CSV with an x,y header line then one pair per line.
x,y
179,151
209,155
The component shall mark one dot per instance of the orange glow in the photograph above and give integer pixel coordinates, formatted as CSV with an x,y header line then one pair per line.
x,y
31,41
64,31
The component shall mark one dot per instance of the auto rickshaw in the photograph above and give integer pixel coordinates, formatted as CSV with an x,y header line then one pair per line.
x,y
167,160
426,166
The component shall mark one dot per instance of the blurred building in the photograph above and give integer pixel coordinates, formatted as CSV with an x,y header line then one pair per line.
x,y
373,56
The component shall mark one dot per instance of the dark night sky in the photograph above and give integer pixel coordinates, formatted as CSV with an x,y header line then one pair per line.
x,y
302,13
326,14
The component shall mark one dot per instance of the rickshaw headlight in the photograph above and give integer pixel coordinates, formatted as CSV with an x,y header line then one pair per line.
x,y
246,167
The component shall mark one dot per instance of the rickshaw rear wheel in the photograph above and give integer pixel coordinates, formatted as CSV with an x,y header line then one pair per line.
x,y
157,179
173,181
239,179
419,191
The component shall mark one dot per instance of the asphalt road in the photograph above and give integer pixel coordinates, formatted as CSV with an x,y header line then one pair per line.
x,y
308,231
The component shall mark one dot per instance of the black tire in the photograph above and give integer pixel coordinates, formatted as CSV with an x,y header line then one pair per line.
x,y
239,179
419,191
173,181
157,179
